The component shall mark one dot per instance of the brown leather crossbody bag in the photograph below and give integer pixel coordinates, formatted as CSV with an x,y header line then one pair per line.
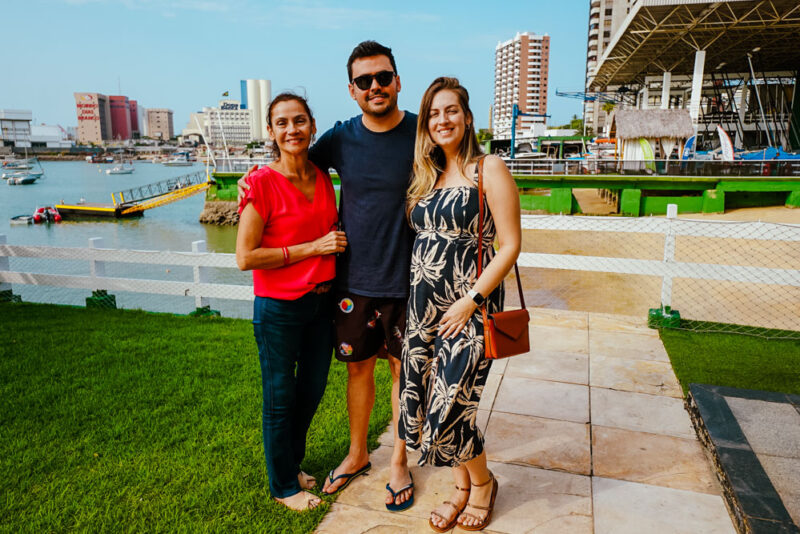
x,y
505,333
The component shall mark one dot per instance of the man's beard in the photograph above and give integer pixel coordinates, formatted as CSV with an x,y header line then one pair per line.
x,y
390,106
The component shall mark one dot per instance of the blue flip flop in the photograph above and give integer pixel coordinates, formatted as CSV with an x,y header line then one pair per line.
x,y
348,477
403,505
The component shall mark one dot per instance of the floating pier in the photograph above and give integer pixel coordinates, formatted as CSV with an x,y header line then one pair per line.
x,y
133,202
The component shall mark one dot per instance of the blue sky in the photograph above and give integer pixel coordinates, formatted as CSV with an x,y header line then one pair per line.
x,y
182,54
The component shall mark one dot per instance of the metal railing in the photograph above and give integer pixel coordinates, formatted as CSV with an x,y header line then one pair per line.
x,y
710,168
156,189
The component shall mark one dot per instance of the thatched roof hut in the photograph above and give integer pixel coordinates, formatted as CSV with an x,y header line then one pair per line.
x,y
661,129
651,124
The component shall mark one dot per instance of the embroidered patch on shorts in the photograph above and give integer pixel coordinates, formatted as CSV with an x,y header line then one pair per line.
x,y
346,305
373,322
345,349
397,333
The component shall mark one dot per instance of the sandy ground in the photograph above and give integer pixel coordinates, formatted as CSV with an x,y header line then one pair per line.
x,y
772,306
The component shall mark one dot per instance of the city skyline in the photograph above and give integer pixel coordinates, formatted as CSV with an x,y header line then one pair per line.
x,y
183,54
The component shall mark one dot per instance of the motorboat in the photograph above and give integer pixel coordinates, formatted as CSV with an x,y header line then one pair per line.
x,y
179,159
22,177
98,158
120,169
22,219
19,164
47,214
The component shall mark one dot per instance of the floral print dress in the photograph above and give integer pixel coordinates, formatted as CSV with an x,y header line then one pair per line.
x,y
442,379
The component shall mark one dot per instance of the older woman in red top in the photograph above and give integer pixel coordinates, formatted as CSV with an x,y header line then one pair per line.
x,y
287,237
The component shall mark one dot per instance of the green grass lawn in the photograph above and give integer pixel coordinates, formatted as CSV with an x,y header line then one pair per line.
x,y
733,360
132,421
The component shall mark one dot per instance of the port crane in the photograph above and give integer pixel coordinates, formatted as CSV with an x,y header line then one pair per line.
x,y
515,112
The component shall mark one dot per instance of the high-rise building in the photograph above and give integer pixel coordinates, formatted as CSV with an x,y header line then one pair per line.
x,y
256,95
120,117
229,124
159,123
521,68
94,117
605,18
15,128
135,131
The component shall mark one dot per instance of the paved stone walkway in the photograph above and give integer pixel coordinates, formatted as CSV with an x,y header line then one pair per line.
x,y
587,433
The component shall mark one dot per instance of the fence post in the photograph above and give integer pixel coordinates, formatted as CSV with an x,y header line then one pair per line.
x,y
200,274
202,304
665,316
6,295
100,297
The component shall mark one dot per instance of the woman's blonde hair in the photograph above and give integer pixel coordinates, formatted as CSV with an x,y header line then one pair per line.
x,y
429,160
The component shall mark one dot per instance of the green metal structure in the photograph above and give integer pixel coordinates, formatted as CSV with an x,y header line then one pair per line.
x,y
639,195
650,195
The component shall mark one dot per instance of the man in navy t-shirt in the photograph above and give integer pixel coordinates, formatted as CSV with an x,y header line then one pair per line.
x,y
373,154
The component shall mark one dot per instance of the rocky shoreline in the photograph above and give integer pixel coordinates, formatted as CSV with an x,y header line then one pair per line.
x,y
221,212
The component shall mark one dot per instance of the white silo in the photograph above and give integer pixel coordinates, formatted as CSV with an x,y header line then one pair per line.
x,y
254,104
265,95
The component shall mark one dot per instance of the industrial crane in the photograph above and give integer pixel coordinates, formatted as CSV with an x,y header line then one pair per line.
x,y
515,112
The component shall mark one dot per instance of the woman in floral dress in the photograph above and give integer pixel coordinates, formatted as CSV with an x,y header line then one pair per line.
x,y
444,369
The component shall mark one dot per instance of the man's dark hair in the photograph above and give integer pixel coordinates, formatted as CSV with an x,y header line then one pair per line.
x,y
369,49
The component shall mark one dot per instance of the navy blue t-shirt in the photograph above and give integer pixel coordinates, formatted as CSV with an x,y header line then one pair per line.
x,y
375,169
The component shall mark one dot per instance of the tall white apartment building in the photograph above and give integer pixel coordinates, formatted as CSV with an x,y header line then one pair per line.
x,y
521,68
605,18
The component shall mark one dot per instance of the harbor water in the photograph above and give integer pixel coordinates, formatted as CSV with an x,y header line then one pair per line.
x,y
172,227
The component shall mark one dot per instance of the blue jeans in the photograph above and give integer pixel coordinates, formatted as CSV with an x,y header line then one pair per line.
x,y
295,344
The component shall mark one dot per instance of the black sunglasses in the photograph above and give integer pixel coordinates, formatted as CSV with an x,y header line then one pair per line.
x,y
383,78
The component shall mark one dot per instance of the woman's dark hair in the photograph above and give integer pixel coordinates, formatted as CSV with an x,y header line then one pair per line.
x,y
286,96
368,49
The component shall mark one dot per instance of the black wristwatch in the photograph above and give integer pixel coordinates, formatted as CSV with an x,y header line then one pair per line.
x,y
476,297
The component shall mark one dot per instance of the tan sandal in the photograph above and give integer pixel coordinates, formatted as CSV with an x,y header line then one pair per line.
x,y
452,523
483,523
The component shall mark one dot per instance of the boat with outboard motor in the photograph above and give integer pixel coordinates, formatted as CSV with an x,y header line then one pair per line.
x,y
121,169
46,214
22,177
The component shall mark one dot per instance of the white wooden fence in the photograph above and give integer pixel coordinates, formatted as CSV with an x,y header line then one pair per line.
x,y
202,288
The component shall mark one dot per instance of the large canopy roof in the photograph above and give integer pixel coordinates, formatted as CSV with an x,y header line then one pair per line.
x,y
663,35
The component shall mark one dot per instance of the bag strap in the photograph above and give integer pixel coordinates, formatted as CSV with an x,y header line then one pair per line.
x,y
479,170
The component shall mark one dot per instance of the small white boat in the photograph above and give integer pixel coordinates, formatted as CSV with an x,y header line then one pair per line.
x,y
120,169
178,162
179,159
21,219
18,164
22,177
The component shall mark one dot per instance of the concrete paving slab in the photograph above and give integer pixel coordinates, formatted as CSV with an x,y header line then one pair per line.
x,y
622,507
368,492
640,412
784,473
490,391
499,366
770,427
650,471
537,500
555,339
554,366
633,345
633,324
640,376
541,398
559,318
539,442
652,459
482,420
356,520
